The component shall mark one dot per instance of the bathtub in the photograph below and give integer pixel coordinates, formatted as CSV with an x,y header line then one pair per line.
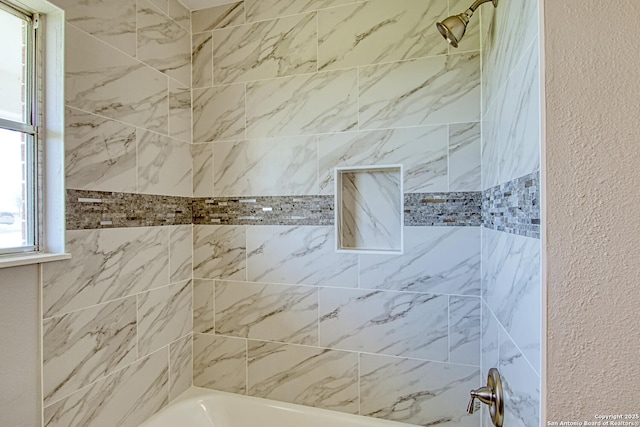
x,y
199,407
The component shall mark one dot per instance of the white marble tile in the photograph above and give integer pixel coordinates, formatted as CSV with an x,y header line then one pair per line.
x,y
266,167
164,316
203,305
163,5
464,330
163,44
83,346
436,260
106,265
180,253
378,31
304,375
298,105
465,157
179,111
219,113
103,80
417,392
512,29
282,313
202,155
268,49
513,290
370,209
472,36
112,21
422,151
202,60
511,126
420,92
179,13
490,239
180,366
393,323
520,121
164,165
259,10
100,154
219,252
491,145
220,363
490,340
217,17
298,256
521,387
124,399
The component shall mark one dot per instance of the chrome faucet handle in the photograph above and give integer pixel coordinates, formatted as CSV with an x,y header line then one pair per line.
x,y
490,395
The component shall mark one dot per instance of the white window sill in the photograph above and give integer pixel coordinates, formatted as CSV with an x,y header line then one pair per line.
x,y
27,259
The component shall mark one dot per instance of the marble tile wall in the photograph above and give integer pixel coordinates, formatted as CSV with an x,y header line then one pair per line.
x,y
281,315
284,92
117,317
511,250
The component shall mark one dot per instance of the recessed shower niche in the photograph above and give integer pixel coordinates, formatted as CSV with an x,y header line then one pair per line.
x,y
369,209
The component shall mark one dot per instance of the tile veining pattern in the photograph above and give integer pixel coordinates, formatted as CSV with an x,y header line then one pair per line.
x,y
284,92
117,317
511,280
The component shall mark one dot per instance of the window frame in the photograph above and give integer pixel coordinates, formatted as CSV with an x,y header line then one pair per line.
x,y
32,130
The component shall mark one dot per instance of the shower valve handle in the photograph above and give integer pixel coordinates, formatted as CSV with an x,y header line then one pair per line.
x,y
484,395
491,395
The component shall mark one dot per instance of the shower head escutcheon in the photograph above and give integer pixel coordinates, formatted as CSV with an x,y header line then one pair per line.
x,y
453,28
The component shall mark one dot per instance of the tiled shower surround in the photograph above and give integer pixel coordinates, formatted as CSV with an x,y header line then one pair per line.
x,y
284,92
174,118
511,279
117,317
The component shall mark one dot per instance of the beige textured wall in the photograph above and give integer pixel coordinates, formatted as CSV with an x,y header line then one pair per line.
x,y
19,347
593,171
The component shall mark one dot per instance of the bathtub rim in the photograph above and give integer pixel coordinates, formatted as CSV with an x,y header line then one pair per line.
x,y
194,395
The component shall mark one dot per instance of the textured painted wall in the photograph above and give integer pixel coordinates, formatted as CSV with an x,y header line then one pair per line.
x,y
19,353
592,163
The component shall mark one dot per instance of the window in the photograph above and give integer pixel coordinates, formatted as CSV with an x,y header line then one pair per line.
x,y
19,120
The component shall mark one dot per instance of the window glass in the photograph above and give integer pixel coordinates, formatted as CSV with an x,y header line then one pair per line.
x,y
13,67
18,135
14,190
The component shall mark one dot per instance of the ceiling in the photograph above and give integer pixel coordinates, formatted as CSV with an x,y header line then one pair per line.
x,y
204,4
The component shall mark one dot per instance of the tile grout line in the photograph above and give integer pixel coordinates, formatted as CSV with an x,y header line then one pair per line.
x,y
341,350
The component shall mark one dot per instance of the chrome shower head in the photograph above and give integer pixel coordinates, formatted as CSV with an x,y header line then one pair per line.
x,y
454,27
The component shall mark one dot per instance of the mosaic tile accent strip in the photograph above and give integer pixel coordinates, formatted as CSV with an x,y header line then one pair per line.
x,y
87,210
514,207
443,209
96,209
270,210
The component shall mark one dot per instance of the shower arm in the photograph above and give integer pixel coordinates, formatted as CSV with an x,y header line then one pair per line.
x,y
477,4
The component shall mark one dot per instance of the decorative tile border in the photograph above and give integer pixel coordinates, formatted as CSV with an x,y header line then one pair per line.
x,y
271,210
99,209
443,209
514,207
421,209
